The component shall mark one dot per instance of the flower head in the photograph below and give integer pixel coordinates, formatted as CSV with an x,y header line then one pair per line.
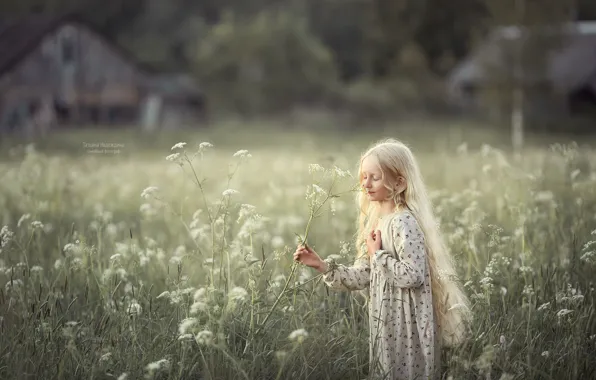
x,y
149,191
243,153
229,192
298,335
179,145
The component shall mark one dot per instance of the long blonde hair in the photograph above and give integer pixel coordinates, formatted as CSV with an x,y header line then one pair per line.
x,y
451,305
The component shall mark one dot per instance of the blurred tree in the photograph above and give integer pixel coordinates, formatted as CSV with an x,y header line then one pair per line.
x,y
164,32
341,26
448,29
390,26
263,64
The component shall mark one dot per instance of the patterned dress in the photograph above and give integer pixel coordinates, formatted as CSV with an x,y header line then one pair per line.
x,y
404,342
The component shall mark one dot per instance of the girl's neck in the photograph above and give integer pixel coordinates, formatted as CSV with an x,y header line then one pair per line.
x,y
386,208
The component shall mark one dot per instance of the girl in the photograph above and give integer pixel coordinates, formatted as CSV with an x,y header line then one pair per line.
x,y
415,304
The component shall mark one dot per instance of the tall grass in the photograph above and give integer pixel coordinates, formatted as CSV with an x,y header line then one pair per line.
x,y
177,264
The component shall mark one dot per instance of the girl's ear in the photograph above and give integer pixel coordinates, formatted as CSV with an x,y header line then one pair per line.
x,y
401,184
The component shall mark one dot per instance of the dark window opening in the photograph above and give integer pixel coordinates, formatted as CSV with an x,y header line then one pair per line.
x,y
583,101
68,51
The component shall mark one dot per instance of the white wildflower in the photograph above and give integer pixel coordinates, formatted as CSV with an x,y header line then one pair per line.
x,y
23,218
134,308
173,157
462,148
528,290
200,294
314,168
149,191
175,260
123,376
563,312
238,293
58,264
544,306
502,340
198,306
341,173
243,153
13,284
179,145
37,225
6,235
485,150
486,283
298,335
186,324
165,294
545,354
288,309
163,364
318,190
105,357
204,337
76,263
36,269
229,192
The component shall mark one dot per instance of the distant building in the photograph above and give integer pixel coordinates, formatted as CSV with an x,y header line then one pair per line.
x,y
57,71
566,84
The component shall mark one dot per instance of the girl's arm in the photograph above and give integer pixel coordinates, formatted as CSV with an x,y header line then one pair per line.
x,y
409,270
341,277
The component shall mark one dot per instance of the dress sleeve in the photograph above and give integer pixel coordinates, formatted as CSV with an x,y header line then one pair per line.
x,y
341,277
408,270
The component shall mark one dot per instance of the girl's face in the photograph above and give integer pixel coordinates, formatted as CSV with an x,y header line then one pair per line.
x,y
372,180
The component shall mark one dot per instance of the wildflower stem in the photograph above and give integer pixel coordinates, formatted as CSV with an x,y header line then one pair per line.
x,y
184,224
205,363
226,354
200,187
295,265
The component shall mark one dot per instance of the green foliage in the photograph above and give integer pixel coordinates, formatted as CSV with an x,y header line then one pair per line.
x,y
265,63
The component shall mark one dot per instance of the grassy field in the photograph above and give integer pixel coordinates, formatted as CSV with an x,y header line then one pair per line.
x,y
125,258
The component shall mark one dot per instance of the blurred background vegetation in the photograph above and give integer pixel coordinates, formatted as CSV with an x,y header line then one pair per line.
x,y
375,58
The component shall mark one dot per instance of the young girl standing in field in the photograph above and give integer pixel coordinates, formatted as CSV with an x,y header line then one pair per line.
x,y
415,305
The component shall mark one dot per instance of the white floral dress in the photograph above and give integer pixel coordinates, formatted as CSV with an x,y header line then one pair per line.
x,y
403,339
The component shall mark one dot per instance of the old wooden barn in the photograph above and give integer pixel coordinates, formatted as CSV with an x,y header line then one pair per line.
x,y
556,66
61,71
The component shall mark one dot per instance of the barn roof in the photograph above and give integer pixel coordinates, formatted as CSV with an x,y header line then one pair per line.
x,y
570,66
19,36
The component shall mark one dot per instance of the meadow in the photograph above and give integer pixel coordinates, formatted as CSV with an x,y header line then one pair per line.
x,y
128,257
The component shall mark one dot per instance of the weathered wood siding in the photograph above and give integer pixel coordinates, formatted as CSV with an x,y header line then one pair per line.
x,y
76,66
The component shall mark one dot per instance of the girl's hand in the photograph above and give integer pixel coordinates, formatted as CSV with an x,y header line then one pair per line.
x,y
373,242
309,257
